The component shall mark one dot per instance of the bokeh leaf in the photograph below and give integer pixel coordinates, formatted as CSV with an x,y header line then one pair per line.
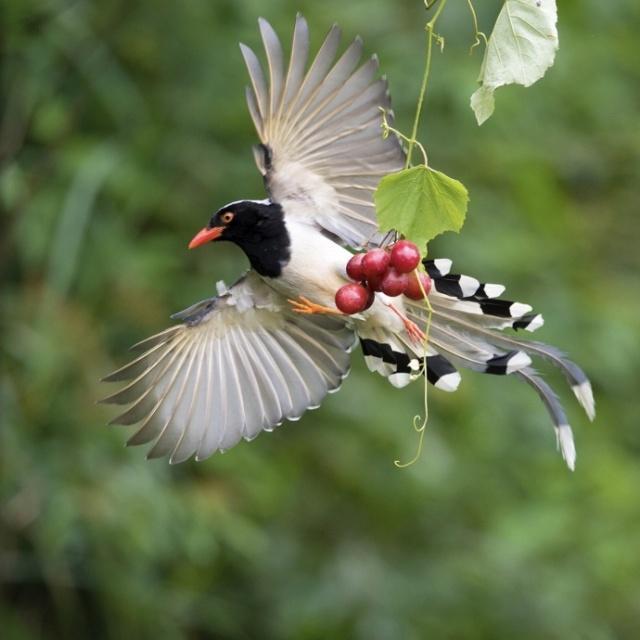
x,y
521,48
420,203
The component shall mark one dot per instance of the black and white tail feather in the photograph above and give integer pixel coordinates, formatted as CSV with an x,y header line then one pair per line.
x,y
464,332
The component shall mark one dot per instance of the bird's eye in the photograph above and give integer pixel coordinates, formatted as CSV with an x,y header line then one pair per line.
x,y
227,217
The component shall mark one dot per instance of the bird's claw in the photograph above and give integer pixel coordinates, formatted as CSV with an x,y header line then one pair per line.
x,y
305,306
412,329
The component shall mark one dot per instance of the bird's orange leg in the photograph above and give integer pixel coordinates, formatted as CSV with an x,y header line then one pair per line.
x,y
414,331
304,305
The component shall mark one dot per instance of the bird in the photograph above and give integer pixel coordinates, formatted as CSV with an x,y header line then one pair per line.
x,y
273,345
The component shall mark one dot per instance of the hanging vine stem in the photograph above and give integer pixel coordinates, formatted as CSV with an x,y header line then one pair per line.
x,y
419,423
431,36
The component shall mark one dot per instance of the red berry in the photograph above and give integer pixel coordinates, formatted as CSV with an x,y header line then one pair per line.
x,y
394,283
352,298
375,263
405,256
413,288
375,283
354,267
372,297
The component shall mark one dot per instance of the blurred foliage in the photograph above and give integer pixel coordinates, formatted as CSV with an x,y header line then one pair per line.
x,y
123,127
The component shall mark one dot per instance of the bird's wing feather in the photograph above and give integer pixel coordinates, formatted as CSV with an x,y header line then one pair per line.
x,y
322,152
238,364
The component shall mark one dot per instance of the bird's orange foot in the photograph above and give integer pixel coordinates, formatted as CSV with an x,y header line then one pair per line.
x,y
304,305
412,329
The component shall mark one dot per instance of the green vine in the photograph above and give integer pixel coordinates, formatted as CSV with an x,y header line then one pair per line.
x,y
419,202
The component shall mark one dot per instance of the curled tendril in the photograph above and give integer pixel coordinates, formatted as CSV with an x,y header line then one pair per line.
x,y
477,34
420,427
387,129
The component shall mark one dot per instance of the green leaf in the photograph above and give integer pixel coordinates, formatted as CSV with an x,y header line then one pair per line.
x,y
420,203
521,48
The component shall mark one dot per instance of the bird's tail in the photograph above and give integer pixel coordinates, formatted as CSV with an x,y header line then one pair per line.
x,y
465,331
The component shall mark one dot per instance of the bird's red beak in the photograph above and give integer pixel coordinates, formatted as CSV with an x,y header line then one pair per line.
x,y
205,235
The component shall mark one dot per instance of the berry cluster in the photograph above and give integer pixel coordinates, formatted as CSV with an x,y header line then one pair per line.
x,y
391,271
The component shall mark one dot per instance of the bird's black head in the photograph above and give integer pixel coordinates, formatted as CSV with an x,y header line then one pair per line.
x,y
257,227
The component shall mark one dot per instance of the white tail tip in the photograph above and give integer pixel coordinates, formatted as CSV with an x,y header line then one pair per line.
x,y
566,445
584,394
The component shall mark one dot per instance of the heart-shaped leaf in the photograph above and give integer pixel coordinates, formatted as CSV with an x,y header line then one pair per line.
x,y
420,203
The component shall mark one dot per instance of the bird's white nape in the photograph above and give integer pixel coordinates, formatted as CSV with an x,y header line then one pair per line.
x,y
266,201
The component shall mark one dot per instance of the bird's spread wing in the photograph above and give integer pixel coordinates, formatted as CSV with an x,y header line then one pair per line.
x,y
239,364
322,153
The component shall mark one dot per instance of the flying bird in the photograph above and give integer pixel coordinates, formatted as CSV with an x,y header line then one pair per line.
x,y
274,344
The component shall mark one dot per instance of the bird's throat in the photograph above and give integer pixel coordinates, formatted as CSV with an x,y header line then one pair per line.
x,y
269,256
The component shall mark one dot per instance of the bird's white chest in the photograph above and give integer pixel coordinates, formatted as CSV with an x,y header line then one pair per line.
x,y
316,268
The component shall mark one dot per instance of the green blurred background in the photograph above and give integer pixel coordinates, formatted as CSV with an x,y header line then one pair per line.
x,y
123,127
